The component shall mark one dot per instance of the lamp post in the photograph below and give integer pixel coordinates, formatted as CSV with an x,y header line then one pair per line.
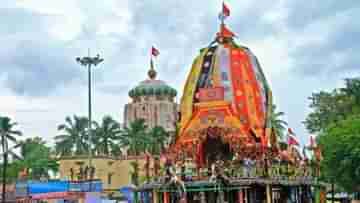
x,y
3,144
88,61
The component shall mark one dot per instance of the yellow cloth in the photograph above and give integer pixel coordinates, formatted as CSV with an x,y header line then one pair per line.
x,y
189,90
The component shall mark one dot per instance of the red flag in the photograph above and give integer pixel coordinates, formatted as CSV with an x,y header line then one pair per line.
x,y
292,140
154,51
225,10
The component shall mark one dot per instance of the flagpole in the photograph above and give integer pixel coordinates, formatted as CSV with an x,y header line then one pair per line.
x,y
222,19
151,61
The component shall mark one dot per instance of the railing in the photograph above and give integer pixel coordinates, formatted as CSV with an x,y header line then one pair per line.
x,y
275,171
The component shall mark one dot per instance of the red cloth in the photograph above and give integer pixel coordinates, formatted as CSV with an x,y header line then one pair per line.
x,y
154,51
166,197
200,155
225,32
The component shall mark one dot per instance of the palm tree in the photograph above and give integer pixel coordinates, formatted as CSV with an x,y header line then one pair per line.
x,y
135,137
7,134
106,136
277,123
74,138
159,137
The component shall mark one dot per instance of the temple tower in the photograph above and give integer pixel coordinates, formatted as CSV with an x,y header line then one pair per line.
x,y
154,101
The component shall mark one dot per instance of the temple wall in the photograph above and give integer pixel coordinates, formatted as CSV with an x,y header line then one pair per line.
x,y
155,113
118,168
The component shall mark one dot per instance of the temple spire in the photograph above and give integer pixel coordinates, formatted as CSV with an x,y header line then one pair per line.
x,y
152,72
224,33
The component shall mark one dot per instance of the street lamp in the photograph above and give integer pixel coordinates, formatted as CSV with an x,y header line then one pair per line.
x,y
88,61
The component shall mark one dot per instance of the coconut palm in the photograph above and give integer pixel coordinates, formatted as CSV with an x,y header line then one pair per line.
x,y
277,123
7,133
73,139
159,137
106,136
135,137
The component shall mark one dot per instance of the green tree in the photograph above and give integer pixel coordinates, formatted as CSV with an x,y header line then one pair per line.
x,y
340,144
107,135
328,107
158,138
36,158
352,89
135,137
277,123
7,133
336,117
73,139
333,106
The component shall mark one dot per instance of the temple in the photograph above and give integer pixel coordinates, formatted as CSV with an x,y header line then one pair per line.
x,y
154,102
226,149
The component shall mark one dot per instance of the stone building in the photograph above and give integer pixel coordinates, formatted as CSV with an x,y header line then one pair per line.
x,y
154,101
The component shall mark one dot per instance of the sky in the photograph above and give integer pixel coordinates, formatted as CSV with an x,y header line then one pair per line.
x,y
303,47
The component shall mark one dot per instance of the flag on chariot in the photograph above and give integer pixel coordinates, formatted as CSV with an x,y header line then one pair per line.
x,y
225,12
291,138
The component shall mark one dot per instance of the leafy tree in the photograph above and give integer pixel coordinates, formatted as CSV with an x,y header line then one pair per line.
x,y
333,106
340,144
277,123
37,159
106,136
328,107
336,117
158,138
74,138
352,89
135,137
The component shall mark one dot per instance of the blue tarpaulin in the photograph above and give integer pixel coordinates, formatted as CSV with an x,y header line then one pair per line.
x,y
128,193
25,188
49,186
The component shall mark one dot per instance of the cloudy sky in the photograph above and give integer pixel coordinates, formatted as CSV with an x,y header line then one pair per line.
x,y
303,47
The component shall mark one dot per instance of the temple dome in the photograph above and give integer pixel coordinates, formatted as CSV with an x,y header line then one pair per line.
x,y
152,86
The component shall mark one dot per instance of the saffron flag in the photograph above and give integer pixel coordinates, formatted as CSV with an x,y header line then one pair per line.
x,y
155,52
225,10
